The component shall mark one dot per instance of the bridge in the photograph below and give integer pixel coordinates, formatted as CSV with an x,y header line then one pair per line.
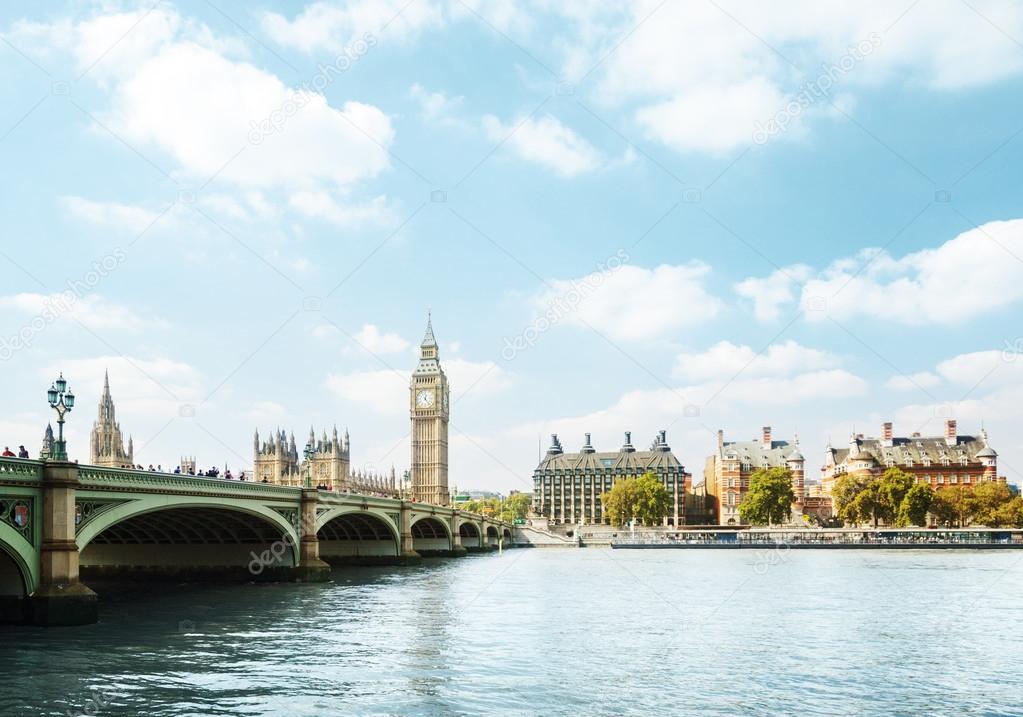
x,y
64,523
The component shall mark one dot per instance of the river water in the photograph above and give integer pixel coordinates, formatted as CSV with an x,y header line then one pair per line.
x,y
553,632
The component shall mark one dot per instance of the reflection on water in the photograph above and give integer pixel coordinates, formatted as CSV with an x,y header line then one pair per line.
x,y
551,632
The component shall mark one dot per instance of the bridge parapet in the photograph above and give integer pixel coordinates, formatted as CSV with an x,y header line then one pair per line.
x,y
20,470
149,481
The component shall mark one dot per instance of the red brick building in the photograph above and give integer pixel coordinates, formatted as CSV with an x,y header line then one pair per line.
x,y
941,461
726,473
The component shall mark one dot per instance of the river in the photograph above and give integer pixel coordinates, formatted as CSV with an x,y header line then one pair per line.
x,y
552,632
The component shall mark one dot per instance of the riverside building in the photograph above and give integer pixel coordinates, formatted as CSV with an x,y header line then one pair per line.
x,y
567,486
726,473
947,460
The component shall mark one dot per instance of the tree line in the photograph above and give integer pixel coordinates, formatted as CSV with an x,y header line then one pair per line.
x,y
894,498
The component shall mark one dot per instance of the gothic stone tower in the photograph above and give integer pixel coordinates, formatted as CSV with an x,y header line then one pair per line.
x,y
106,443
429,404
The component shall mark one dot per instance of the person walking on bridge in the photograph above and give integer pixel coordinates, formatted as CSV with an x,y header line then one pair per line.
x,y
8,453
22,453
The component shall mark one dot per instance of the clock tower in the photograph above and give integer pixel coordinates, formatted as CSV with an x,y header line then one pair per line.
x,y
429,404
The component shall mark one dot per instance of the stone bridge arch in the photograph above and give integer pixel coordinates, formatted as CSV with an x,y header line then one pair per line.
x,y
195,533
19,564
493,536
470,533
358,535
431,535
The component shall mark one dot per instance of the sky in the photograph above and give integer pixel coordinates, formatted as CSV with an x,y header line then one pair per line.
x,y
682,215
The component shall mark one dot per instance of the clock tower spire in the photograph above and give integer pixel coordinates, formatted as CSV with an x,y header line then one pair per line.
x,y
428,406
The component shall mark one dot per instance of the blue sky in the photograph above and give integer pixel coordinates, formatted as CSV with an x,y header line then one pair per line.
x,y
680,215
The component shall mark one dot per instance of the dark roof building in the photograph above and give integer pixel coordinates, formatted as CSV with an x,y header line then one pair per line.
x,y
567,486
949,459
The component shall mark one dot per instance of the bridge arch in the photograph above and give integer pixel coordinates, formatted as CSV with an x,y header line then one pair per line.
x,y
492,535
194,532
506,534
19,564
431,534
353,535
470,535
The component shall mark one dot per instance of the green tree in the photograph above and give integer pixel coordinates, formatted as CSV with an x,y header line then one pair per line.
x,y
953,506
989,498
644,499
915,506
870,503
516,506
844,495
1008,514
769,499
653,501
894,485
619,503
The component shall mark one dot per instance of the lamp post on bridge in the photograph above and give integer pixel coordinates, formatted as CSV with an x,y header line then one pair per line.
x,y
62,400
308,452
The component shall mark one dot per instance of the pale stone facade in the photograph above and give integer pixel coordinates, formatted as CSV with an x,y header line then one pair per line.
x,y
429,406
106,444
277,461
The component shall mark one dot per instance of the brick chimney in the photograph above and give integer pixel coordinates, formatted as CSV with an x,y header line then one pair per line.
x,y
951,436
766,436
886,433
721,440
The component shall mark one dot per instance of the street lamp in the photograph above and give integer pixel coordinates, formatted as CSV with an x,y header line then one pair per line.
x,y
308,452
62,400
406,479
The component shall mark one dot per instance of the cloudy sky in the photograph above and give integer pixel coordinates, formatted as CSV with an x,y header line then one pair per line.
x,y
683,215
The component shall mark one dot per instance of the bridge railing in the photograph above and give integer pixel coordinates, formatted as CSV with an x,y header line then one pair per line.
x,y
95,476
20,469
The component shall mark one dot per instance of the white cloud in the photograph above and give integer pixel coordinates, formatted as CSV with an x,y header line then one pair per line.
x,y
547,142
725,360
386,392
437,107
321,205
266,411
634,303
923,379
699,76
93,311
150,389
475,378
132,218
334,27
975,273
771,293
178,89
325,331
987,366
373,340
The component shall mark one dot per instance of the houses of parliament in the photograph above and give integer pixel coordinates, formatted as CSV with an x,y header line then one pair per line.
x,y
325,461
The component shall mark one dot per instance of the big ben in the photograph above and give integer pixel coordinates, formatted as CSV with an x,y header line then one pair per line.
x,y
428,407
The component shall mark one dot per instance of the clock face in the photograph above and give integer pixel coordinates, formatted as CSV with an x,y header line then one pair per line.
x,y
424,399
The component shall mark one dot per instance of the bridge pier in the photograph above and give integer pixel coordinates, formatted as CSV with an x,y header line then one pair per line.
x,y
457,549
407,552
60,599
310,569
